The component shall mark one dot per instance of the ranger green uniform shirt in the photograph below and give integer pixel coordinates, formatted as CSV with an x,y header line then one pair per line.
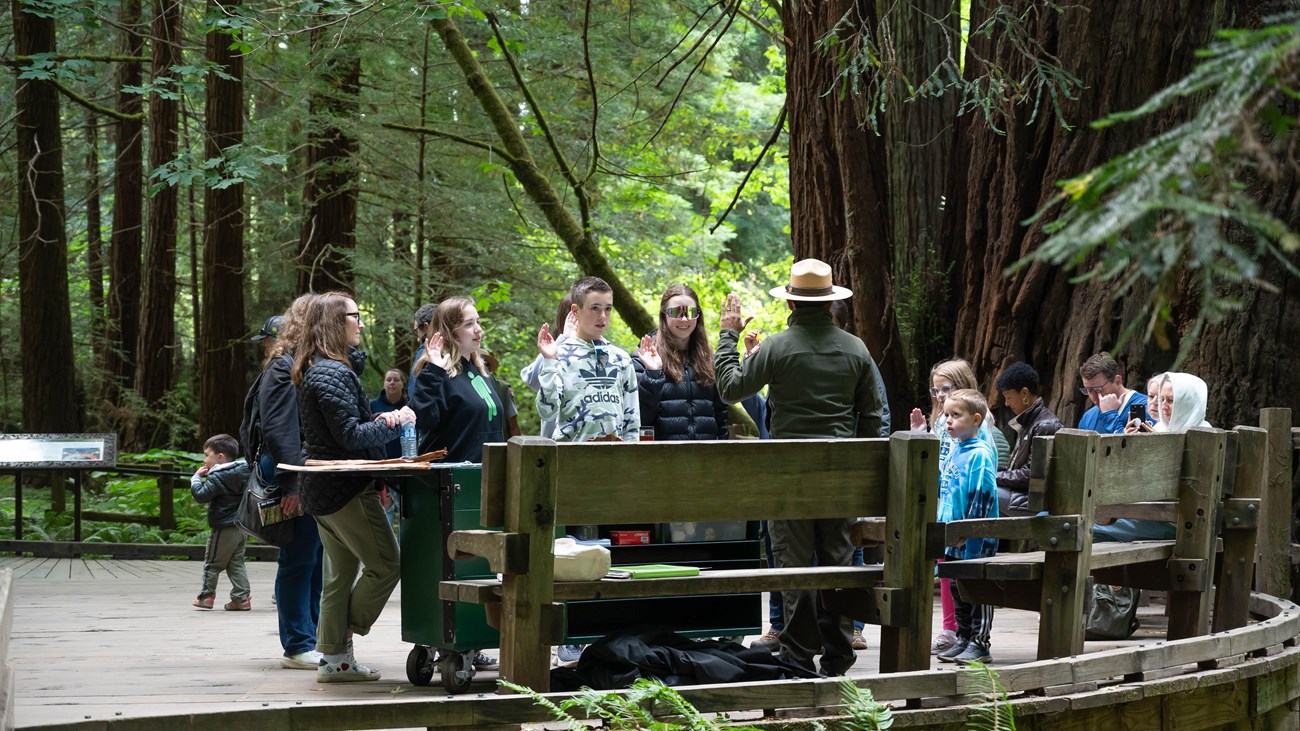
x,y
819,377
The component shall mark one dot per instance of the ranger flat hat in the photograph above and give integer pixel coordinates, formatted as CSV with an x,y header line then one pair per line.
x,y
810,281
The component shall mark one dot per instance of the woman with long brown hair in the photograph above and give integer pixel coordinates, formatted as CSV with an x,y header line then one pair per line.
x,y
674,370
337,424
454,399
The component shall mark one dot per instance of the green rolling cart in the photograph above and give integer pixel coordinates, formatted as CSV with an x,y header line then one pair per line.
x,y
445,634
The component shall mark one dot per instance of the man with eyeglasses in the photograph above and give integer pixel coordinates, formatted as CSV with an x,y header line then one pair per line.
x,y
1103,384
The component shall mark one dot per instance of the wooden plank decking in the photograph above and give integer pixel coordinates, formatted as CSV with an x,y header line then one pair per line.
x,y
100,638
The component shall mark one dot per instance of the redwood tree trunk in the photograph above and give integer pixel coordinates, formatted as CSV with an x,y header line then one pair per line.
x,y
1037,314
155,372
94,239
329,227
221,349
45,322
128,234
849,187
839,186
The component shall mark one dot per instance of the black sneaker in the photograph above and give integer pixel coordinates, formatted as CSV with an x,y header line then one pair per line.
x,y
974,652
951,653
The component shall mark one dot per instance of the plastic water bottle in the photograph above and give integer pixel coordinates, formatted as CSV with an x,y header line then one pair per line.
x,y
408,441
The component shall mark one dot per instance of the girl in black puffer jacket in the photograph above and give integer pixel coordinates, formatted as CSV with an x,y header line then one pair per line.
x,y
337,424
674,370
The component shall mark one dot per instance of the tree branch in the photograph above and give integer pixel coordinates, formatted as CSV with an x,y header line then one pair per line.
x,y
584,203
74,96
595,100
509,159
776,134
106,58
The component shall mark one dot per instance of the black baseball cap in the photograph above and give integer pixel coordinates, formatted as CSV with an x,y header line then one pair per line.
x,y
270,329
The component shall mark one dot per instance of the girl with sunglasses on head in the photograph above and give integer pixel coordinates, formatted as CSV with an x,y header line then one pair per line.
x,y
674,370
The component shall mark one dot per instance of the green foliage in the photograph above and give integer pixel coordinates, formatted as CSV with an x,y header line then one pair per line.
x,y
863,710
1182,210
634,708
873,70
996,713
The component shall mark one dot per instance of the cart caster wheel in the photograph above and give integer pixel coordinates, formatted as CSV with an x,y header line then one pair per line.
x,y
419,666
457,671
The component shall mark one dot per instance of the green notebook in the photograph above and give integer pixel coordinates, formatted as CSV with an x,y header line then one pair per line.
x,y
651,571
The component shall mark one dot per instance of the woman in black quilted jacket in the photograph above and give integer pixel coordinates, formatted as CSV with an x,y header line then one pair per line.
x,y
674,370
337,424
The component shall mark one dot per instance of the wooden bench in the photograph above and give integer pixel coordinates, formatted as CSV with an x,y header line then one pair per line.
x,y
531,484
1206,482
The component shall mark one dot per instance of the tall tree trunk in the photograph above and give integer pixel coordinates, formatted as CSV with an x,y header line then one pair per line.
x,y
155,373
45,321
127,238
94,239
839,190
403,343
221,349
328,237
849,189
1037,315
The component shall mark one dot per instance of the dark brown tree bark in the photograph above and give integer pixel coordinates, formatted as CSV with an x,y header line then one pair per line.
x,y
849,187
329,227
221,348
841,203
94,239
127,240
1036,314
45,322
155,372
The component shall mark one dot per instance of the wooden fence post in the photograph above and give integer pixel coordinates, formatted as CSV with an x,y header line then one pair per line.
x,y
913,503
1273,566
526,611
166,496
1072,476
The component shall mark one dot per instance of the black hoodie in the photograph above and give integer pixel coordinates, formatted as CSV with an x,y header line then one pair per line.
x,y
450,414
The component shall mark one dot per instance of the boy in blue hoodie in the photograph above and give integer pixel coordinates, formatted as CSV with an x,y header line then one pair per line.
x,y
968,490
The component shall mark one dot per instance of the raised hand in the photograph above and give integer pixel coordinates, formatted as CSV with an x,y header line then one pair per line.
x,y
434,352
917,422
570,324
649,354
732,318
546,344
751,343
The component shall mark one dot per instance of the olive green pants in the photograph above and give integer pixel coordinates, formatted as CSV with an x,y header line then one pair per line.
x,y
357,538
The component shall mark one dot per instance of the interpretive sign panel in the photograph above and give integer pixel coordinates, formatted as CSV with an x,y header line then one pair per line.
x,y
38,451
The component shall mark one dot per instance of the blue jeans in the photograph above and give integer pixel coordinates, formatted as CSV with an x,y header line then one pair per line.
x,y
298,582
298,587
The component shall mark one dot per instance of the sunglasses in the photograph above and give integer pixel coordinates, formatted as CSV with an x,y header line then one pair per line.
x,y
683,312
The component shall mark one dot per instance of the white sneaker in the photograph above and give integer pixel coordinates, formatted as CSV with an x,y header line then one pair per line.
x,y
309,660
344,671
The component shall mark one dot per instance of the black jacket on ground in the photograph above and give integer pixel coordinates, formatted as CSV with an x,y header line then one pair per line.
x,y
617,660
222,491
336,424
1035,421
449,413
681,410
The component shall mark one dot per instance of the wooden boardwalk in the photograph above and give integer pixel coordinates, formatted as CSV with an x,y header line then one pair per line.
x,y
98,639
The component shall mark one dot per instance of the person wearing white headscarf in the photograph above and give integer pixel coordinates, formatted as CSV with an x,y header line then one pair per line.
x,y
1181,407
